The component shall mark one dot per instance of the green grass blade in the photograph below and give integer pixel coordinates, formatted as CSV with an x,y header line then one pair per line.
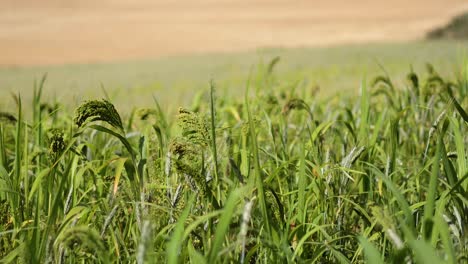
x,y
424,252
340,257
402,202
213,134
460,143
364,117
175,244
371,252
432,191
460,110
195,256
446,239
257,169
223,225
18,216
122,139
302,184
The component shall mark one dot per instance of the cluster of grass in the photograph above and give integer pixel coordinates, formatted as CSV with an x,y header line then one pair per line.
x,y
456,29
277,177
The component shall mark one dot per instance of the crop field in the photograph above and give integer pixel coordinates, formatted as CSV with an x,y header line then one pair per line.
x,y
275,174
233,131
55,32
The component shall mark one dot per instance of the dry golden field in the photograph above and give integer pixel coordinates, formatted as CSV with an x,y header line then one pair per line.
x,y
80,31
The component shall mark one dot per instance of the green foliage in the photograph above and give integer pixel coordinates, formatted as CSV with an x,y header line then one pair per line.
x,y
279,177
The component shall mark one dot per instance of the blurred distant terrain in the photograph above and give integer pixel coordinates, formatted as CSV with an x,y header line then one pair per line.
x,y
172,49
81,31
456,29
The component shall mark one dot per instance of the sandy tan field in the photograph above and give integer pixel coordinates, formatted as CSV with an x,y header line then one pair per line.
x,y
36,32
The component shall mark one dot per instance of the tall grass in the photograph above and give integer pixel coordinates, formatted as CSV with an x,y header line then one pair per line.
x,y
277,177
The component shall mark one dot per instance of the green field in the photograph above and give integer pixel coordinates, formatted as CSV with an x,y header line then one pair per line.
x,y
258,166
174,80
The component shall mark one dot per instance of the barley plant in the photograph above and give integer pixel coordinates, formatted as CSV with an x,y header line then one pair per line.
x,y
277,177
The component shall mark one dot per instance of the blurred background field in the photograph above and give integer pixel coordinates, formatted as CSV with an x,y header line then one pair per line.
x,y
175,80
172,49
83,31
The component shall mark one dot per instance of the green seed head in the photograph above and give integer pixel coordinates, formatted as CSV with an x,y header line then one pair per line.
x,y
430,69
194,127
49,108
271,102
382,216
413,78
7,117
5,209
292,104
188,160
56,142
145,113
97,110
